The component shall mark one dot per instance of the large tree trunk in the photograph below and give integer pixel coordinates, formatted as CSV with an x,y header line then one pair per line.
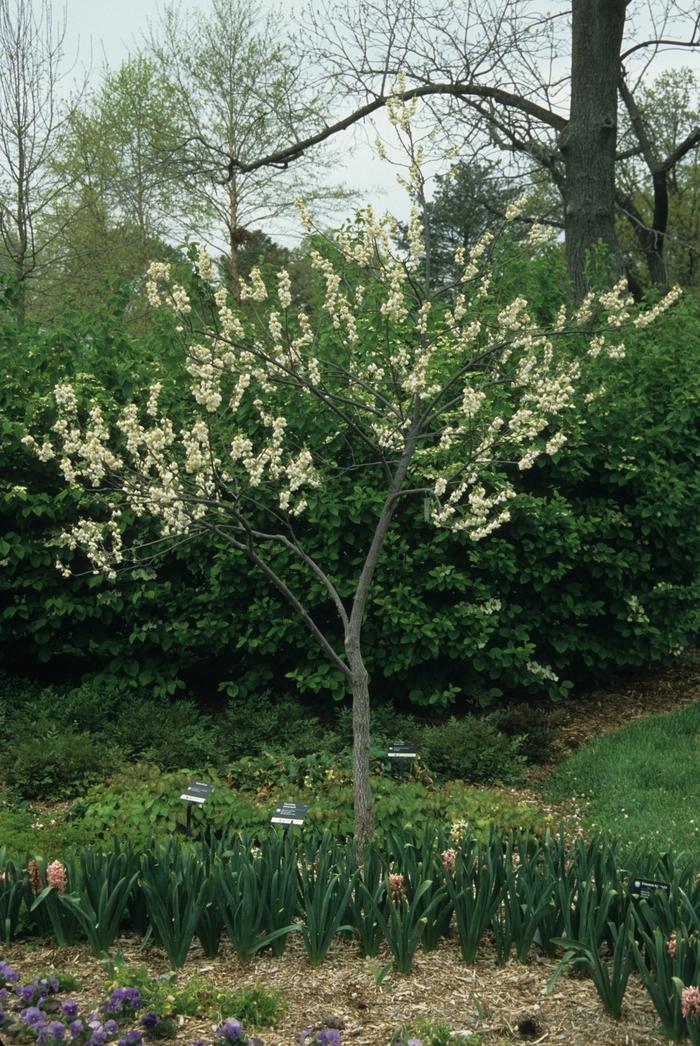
x,y
588,143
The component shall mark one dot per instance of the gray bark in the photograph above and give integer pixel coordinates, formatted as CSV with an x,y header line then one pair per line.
x,y
588,143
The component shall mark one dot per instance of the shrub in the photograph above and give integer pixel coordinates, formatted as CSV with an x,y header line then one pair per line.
x,y
472,749
56,763
171,734
146,802
25,834
254,723
534,727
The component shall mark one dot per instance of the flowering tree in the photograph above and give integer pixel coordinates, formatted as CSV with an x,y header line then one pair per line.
x,y
444,398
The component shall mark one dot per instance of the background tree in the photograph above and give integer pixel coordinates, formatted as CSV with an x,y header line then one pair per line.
x,y
238,88
120,155
470,200
662,223
32,122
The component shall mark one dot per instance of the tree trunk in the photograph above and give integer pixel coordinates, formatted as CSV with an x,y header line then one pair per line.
x,y
361,790
588,143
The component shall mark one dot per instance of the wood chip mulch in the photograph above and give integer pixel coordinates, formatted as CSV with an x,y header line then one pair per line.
x,y
503,1004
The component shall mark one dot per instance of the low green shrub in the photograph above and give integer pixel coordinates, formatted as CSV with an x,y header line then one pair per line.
x,y
25,833
479,811
472,749
171,734
533,726
255,723
51,762
144,802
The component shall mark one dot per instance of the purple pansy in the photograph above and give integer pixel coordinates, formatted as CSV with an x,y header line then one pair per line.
x,y
69,1008
26,993
124,999
7,974
324,1037
33,1016
149,1021
55,1031
231,1030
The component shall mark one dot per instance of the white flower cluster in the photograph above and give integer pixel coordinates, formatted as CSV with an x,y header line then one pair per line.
x,y
204,264
335,302
400,112
100,542
544,673
617,303
254,289
669,299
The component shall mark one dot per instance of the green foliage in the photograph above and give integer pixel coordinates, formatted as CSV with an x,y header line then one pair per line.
x,y
256,722
26,834
145,802
472,749
433,1033
173,996
54,763
610,978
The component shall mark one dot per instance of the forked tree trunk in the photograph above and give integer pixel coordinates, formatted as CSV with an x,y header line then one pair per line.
x,y
588,143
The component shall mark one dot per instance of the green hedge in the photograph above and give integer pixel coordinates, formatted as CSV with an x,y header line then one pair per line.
x,y
596,572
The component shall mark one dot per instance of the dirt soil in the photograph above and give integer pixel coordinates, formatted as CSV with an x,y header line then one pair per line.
x,y
503,1004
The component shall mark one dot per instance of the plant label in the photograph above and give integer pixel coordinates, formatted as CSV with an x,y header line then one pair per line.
x,y
289,813
402,752
644,889
197,792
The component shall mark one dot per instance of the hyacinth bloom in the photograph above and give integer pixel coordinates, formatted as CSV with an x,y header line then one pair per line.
x,y
57,877
397,886
671,945
34,876
449,859
690,1003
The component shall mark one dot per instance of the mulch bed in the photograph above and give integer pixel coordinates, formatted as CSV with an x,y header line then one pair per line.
x,y
343,993
637,695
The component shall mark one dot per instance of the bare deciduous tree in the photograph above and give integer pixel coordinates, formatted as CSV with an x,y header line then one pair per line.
x,y
32,118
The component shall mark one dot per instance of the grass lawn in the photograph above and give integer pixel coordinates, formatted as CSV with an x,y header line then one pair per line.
x,y
641,782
